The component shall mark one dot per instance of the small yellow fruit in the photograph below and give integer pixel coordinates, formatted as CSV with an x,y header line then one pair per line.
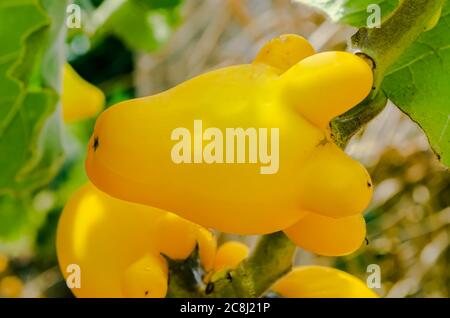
x,y
328,236
207,247
230,254
109,238
146,278
80,99
11,287
321,282
174,236
3,263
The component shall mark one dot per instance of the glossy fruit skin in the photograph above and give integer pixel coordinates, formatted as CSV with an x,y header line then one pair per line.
x,y
207,248
80,99
112,241
11,287
129,152
229,255
328,236
146,277
321,282
3,263
284,51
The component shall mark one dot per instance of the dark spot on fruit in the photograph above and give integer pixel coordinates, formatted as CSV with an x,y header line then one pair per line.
x,y
96,144
369,184
146,293
209,288
367,241
368,59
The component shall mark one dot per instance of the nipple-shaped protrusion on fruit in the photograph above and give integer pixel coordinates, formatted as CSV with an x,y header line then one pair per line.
x,y
146,278
207,248
333,184
326,85
284,51
328,236
321,282
80,99
230,254
175,236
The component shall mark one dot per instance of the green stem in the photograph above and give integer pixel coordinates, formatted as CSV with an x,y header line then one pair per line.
x,y
182,280
271,259
382,47
347,125
386,44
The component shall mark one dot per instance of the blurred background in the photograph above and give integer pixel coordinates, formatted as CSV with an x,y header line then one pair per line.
x,y
150,48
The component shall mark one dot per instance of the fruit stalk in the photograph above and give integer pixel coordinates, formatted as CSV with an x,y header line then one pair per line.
x,y
271,259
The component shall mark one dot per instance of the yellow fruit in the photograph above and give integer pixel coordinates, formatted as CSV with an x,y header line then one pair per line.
x,y
326,85
328,236
80,99
11,287
230,254
284,51
112,241
3,263
333,184
207,246
174,236
131,151
146,278
321,282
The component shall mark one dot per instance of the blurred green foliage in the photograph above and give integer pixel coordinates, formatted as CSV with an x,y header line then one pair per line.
x,y
31,56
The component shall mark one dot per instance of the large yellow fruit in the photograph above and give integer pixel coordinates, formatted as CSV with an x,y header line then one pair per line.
x,y
117,245
321,282
287,91
80,99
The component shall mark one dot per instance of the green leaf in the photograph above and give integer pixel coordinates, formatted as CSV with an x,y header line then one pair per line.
x,y
19,219
31,56
419,84
14,217
158,4
352,12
